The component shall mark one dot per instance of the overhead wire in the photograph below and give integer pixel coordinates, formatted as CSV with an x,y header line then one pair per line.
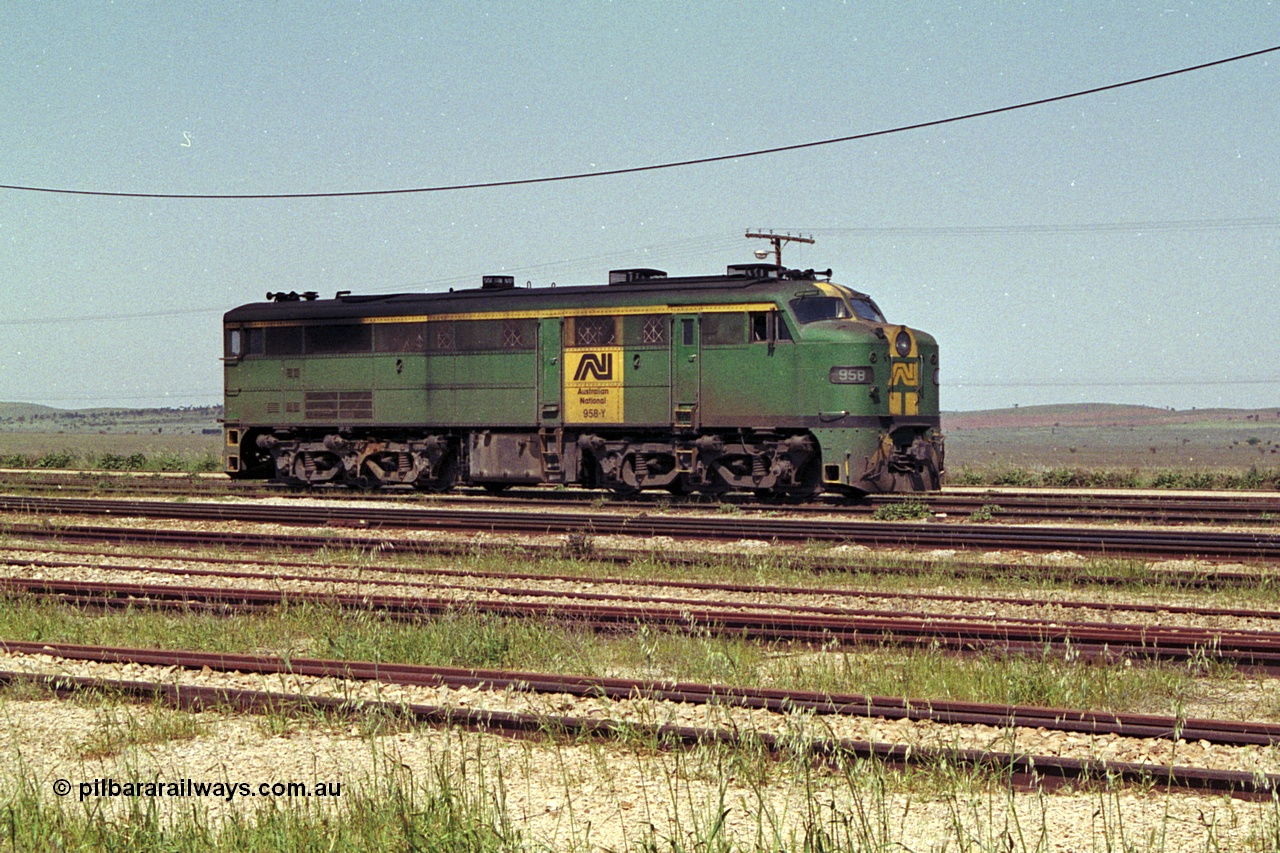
x,y
1124,383
687,247
675,164
88,318
1161,226
1255,223
695,246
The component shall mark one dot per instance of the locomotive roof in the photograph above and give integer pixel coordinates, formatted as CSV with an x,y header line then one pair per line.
x,y
754,281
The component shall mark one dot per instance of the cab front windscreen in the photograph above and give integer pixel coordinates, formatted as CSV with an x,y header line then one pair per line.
x,y
811,309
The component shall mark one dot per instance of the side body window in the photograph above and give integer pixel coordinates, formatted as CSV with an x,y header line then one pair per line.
x,y
724,329
595,331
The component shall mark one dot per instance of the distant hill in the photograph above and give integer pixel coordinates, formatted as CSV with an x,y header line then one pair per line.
x,y
29,417
1102,415
1111,436
12,411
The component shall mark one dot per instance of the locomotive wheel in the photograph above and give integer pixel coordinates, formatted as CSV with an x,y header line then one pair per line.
x,y
808,487
678,487
372,476
621,487
445,479
311,468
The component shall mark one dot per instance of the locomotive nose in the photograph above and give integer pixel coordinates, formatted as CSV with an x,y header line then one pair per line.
x,y
904,374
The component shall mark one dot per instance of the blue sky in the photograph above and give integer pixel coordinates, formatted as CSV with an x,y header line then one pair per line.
x,y
1122,247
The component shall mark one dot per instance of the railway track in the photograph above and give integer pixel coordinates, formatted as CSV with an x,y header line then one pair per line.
x,y
1087,540
1058,573
1256,650
1020,505
1250,649
500,583
1025,770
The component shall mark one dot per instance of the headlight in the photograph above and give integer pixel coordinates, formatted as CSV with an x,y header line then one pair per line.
x,y
902,343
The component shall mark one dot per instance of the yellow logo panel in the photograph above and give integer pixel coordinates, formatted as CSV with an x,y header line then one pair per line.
x,y
905,373
904,403
593,386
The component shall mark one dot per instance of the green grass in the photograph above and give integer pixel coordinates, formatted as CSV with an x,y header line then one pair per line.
x,y
473,640
469,639
902,511
438,810
1253,477
119,727
455,639
177,452
185,462
707,798
921,673
986,512
711,797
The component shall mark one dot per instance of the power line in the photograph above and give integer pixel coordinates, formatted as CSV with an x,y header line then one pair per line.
x,y
678,248
1165,226
1131,383
93,318
696,246
669,165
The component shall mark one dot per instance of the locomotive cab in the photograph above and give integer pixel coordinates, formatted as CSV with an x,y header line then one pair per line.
x,y
879,406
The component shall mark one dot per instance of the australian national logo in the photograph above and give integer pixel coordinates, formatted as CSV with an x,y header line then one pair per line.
x,y
598,366
593,385
904,373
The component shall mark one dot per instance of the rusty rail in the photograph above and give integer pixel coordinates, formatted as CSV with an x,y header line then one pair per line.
x,y
1251,649
1023,770
1182,543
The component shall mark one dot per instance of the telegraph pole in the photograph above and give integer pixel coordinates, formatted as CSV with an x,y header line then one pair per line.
x,y
777,240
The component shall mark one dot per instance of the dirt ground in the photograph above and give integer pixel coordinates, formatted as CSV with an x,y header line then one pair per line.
x,y
1098,436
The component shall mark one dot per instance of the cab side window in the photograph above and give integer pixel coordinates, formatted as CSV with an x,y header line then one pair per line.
x,y
768,327
284,340
784,331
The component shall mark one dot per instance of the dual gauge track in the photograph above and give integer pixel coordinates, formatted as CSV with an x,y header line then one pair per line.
x,y
386,528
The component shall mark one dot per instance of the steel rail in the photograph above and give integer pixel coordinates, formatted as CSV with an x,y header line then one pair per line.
x,y
1179,578
1143,726
1172,508
1252,649
699,586
1023,771
1235,544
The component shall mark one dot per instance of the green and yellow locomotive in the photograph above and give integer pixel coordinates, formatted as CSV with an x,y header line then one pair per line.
x,y
765,379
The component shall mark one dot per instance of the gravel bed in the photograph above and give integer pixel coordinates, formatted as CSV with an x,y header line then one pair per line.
x,y
643,711
603,795
355,580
